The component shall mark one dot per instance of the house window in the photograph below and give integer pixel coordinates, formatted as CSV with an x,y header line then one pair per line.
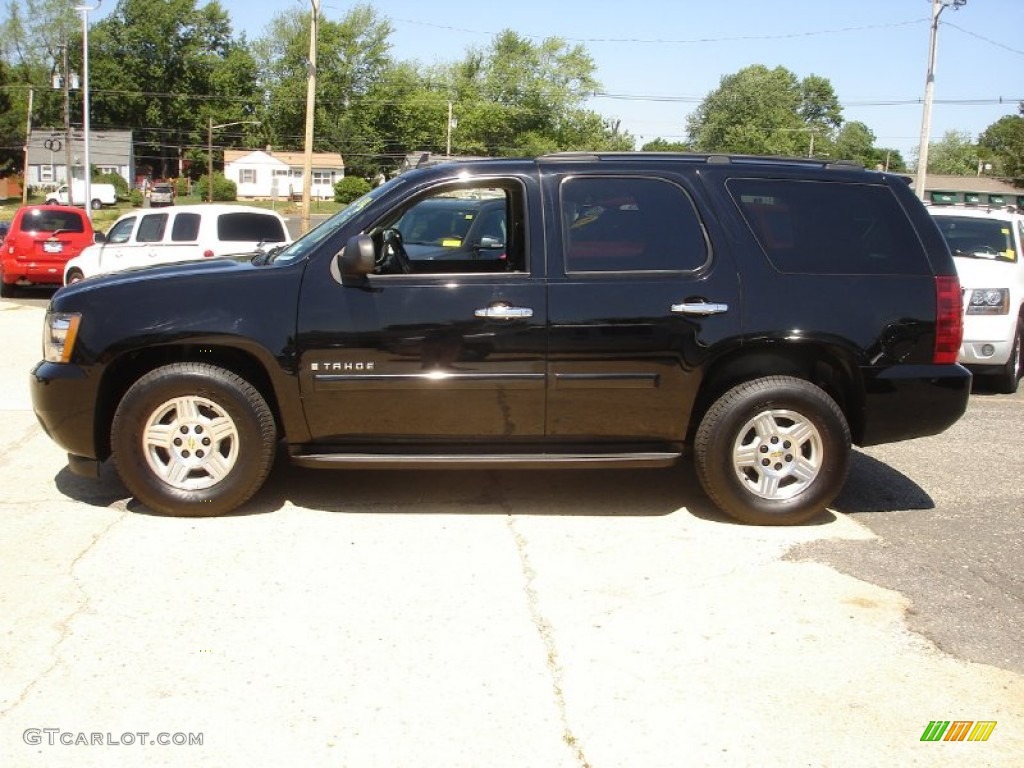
x,y
46,173
322,177
247,175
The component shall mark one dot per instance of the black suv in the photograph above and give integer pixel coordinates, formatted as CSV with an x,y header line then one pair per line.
x,y
624,307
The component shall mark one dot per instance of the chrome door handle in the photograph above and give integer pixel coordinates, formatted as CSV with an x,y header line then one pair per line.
x,y
503,312
700,308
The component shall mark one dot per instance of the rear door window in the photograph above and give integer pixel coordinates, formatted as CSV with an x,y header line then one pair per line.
x,y
185,228
625,224
151,228
827,227
249,227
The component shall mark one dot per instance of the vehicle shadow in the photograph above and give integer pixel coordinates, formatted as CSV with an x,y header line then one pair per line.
x,y
872,486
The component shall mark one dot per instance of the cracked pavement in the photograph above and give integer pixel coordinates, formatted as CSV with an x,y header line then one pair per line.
x,y
550,619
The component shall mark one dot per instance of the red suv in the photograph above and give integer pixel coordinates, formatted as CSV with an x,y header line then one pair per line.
x,y
41,239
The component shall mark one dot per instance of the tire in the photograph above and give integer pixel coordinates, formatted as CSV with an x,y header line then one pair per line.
x,y
789,424
1007,381
95,205
74,276
161,440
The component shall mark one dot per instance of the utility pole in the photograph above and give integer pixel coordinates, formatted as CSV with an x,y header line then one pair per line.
x,y
28,138
938,6
307,165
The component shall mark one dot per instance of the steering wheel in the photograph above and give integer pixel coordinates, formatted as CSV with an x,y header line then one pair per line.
x,y
394,249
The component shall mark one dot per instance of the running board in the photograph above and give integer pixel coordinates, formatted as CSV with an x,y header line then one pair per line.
x,y
484,460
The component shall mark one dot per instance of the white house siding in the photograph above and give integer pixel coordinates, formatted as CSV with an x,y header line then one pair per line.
x,y
254,173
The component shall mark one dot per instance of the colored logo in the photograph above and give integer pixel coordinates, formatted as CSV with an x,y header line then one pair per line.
x,y
958,730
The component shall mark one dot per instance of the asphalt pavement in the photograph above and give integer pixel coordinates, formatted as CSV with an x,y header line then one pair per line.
x,y
519,619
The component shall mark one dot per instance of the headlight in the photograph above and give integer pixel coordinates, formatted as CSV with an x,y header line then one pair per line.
x,y
989,301
59,332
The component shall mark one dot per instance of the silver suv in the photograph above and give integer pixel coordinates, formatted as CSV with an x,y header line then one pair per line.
x,y
161,195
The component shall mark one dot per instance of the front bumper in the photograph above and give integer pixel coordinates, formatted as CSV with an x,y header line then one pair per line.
x,y
64,400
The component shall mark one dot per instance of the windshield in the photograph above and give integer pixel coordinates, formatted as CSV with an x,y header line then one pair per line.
x,y
979,238
322,232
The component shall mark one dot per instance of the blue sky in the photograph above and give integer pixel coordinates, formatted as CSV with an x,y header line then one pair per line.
x,y
658,58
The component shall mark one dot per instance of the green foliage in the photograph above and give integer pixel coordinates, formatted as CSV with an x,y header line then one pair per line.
x,y
349,188
182,188
661,145
120,185
763,111
224,190
135,198
955,154
1002,144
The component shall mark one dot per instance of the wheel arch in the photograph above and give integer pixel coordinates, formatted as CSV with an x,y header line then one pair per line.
x,y
127,368
823,365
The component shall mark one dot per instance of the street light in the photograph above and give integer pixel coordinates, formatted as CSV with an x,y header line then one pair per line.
x,y
209,150
938,6
87,174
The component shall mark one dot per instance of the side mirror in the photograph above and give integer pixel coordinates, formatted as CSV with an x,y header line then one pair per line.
x,y
99,237
356,259
489,243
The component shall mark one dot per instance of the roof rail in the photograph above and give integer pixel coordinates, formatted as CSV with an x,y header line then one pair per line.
x,y
701,157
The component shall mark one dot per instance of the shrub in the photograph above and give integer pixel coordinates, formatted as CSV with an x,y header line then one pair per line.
x,y
224,190
349,188
135,198
182,188
120,185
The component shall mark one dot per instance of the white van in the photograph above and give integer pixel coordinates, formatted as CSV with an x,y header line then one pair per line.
x,y
988,248
183,233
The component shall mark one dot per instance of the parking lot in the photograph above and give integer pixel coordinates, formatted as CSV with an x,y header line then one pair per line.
x,y
516,619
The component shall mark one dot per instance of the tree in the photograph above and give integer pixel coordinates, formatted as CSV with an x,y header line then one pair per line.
x,y
166,69
518,97
1002,144
765,111
352,57
954,155
11,138
661,145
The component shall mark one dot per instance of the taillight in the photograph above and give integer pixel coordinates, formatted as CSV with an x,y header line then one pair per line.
x,y
949,319
207,254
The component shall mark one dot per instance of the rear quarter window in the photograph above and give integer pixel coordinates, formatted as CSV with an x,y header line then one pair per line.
x,y
249,227
828,227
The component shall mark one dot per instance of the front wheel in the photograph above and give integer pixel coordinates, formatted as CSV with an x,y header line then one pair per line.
x,y
773,451
74,276
96,205
192,440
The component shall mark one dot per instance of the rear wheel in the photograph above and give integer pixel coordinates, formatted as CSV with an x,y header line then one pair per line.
x,y
96,205
192,440
773,451
1007,380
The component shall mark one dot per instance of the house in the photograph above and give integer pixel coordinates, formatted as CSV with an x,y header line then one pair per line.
x,y
267,174
970,190
48,151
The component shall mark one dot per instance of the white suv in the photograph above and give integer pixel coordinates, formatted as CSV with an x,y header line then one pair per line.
x,y
183,233
988,248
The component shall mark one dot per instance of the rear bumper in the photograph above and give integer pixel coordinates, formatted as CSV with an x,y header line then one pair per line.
x,y
909,401
34,271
